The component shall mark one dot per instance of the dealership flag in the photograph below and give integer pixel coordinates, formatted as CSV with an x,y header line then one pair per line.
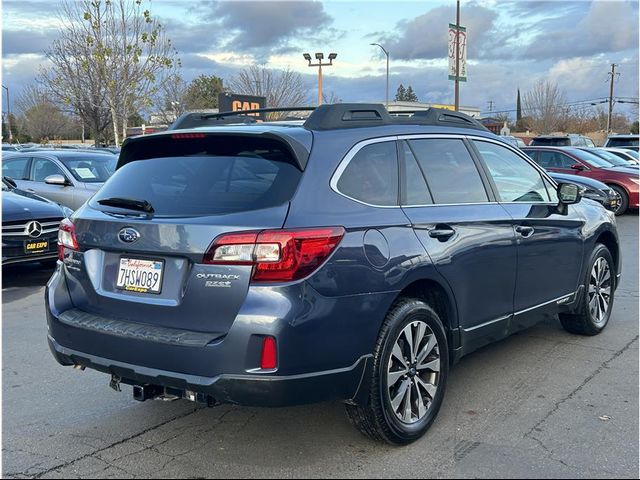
x,y
462,53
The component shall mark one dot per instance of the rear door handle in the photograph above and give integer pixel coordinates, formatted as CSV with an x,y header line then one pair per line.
x,y
525,231
442,233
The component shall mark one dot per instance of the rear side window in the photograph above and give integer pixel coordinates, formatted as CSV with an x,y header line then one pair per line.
x,y
372,175
451,173
14,167
224,177
414,186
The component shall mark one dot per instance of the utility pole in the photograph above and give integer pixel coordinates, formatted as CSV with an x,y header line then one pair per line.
x,y
490,102
612,73
457,87
320,57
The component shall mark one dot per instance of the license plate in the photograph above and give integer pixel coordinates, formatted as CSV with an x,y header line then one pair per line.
x,y
36,246
141,276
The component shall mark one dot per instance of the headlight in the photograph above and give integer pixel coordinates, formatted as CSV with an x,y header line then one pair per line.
x,y
66,211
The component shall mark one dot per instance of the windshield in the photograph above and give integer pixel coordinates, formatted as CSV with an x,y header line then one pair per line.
x,y
611,158
622,142
554,142
591,158
90,168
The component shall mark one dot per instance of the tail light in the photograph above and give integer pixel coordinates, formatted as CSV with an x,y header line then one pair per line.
x,y
269,357
66,237
276,255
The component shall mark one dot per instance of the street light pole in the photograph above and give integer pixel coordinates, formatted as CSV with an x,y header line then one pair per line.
x,y
8,115
320,57
387,54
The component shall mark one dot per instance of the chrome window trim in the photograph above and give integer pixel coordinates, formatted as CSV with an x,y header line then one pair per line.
x,y
353,151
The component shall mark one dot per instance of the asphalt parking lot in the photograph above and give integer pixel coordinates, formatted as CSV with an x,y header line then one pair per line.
x,y
543,403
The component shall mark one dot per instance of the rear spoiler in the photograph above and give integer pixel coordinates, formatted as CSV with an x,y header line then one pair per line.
x,y
159,145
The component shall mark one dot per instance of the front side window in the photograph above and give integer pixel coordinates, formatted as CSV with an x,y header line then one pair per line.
x,y
372,175
43,168
515,179
451,174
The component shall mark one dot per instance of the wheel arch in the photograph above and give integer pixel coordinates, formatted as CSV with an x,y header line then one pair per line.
x,y
442,300
609,240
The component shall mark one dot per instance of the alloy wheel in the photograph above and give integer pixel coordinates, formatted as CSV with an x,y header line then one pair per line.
x,y
600,291
413,372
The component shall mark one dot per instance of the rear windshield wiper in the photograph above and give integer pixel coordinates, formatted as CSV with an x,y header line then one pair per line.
x,y
128,203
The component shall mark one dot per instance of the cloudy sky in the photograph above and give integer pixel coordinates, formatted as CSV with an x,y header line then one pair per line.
x,y
511,44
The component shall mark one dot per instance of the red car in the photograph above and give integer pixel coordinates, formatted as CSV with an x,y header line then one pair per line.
x,y
624,180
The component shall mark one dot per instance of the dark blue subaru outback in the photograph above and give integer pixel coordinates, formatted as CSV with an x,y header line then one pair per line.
x,y
353,256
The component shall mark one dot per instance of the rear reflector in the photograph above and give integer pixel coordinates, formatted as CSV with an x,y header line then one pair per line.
x,y
66,237
277,255
269,357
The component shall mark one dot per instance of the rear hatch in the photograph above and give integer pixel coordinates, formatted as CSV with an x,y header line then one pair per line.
x,y
142,238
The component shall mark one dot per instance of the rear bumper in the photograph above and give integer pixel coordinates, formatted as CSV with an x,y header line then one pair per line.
x,y
323,346
246,390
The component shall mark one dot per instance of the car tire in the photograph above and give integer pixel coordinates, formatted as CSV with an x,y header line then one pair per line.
x,y
423,381
623,205
598,289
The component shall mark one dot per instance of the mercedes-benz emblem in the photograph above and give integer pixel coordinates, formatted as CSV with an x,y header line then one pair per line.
x,y
128,235
33,229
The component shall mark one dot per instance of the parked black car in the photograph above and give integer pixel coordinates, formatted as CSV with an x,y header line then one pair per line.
x,y
592,189
29,226
351,257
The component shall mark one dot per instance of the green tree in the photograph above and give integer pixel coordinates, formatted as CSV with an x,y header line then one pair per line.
x,y
202,93
634,127
406,94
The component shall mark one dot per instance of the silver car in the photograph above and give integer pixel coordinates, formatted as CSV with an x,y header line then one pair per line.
x,y
67,177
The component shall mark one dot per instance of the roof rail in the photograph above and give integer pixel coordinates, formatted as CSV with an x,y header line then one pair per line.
x,y
337,116
437,116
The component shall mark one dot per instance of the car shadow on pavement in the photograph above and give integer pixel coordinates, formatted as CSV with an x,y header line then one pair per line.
x,y
20,281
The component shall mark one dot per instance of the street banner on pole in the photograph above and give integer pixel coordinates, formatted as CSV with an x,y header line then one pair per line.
x,y
462,53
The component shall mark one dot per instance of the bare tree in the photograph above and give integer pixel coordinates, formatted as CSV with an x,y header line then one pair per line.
x,y
41,118
282,88
545,105
170,100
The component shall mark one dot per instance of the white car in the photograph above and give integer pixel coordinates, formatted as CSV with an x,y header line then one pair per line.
x,y
626,154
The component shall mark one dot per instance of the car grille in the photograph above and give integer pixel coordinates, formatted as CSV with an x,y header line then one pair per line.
x,y
19,229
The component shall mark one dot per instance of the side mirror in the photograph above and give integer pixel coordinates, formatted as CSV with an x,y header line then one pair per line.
x,y
56,180
569,193
578,166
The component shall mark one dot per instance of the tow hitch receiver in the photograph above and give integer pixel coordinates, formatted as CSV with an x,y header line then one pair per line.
x,y
142,393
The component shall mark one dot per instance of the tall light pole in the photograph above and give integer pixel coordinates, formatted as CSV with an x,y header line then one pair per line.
x,y
387,54
319,57
8,115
